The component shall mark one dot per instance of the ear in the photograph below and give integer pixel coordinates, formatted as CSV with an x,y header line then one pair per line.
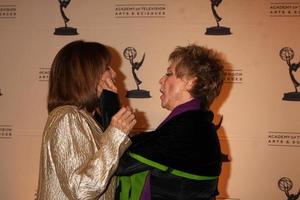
x,y
190,82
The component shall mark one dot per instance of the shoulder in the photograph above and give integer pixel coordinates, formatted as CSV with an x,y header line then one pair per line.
x,y
188,122
63,119
66,112
63,111
197,116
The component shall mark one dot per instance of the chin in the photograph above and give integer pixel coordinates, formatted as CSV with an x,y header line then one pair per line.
x,y
166,107
163,105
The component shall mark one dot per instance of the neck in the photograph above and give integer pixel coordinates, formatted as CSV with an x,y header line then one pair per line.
x,y
193,104
182,101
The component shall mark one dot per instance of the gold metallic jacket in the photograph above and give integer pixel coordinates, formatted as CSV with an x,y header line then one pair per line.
x,y
78,159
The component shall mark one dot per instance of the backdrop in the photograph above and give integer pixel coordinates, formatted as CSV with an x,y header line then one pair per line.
x,y
260,134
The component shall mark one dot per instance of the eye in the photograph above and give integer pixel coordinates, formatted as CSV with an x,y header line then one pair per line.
x,y
169,74
107,68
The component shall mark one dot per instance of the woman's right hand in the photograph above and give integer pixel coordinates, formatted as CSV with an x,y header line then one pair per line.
x,y
124,120
107,81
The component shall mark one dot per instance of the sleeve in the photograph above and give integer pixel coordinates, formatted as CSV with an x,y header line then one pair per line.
x,y
83,170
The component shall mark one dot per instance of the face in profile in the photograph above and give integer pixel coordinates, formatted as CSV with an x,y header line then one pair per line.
x,y
175,90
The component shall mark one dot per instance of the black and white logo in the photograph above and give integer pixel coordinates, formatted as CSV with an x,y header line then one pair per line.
x,y
233,76
137,10
5,131
130,54
217,30
8,11
63,4
287,54
278,9
285,184
44,74
281,139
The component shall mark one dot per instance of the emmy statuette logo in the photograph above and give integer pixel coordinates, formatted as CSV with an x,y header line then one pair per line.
x,y
130,54
217,30
65,30
287,54
285,184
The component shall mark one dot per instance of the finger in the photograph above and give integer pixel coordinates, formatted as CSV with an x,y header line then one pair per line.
x,y
131,125
130,118
110,84
126,114
119,113
102,85
130,110
112,73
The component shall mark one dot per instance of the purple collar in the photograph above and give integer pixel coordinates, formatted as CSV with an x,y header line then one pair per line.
x,y
193,104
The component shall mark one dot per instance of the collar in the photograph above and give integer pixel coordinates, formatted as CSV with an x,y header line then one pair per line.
x,y
193,104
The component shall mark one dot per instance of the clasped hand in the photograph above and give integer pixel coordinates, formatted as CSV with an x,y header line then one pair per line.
x,y
124,120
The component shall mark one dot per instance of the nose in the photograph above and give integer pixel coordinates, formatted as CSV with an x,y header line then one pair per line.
x,y
161,80
112,73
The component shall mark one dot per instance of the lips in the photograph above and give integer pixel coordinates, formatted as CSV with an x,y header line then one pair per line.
x,y
162,93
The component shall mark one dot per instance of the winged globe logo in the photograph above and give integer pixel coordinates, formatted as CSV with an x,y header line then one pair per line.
x,y
130,54
287,54
66,30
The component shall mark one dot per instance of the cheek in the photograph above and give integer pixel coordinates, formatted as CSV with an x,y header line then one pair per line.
x,y
172,89
169,93
105,75
172,86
